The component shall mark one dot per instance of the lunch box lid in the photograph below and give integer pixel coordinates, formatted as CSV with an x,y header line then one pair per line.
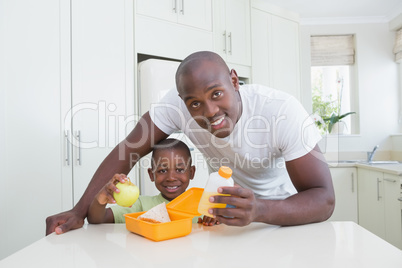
x,y
187,202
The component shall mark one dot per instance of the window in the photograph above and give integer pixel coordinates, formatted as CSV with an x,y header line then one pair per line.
x,y
398,46
332,59
398,58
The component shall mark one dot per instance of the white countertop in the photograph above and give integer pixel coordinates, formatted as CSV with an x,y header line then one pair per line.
x,y
326,244
395,169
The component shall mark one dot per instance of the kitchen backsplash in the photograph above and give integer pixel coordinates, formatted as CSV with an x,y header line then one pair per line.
x,y
396,153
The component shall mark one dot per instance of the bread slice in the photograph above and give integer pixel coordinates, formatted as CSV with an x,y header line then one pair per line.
x,y
157,214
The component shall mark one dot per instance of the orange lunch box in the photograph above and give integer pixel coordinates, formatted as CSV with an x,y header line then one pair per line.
x,y
181,211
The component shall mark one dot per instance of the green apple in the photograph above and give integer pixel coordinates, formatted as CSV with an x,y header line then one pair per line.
x,y
128,194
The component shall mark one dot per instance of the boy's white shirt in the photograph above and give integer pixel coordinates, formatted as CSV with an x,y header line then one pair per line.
x,y
273,128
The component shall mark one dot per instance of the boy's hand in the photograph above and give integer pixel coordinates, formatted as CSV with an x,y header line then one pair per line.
x,y
105,195
208,221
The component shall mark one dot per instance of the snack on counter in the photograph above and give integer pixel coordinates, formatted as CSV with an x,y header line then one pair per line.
x,y
157,214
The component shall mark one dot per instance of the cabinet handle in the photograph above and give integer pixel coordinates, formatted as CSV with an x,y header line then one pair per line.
x,y
230,43
353,183
224,42
390,180
174,6
78,136
182,7
67,155
378,189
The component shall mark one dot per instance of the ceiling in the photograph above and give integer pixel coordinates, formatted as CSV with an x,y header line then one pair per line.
x,y
384,10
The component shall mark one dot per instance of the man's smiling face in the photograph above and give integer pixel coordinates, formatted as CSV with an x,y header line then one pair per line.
x,y
211,95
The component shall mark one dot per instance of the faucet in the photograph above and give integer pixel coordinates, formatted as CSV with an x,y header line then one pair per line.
x,y
371,154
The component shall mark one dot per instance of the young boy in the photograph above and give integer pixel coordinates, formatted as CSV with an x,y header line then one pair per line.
x,y
171,170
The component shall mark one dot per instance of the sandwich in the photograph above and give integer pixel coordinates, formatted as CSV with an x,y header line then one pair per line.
x,y
157,214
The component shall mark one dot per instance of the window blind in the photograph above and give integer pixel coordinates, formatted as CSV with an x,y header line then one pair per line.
x,y
332,50
398,45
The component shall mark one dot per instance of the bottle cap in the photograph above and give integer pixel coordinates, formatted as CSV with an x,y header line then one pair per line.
x,y
225,172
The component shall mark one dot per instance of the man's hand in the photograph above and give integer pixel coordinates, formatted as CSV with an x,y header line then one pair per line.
x,y
208,221
245,203
64,222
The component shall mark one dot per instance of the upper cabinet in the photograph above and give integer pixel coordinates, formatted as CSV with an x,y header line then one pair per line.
x,y
191,13
173,28
232,31
275,48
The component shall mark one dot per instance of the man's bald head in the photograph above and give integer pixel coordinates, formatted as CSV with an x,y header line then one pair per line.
x,y
193,62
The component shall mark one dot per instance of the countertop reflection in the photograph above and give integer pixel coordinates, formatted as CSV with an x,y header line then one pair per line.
x,y
326,244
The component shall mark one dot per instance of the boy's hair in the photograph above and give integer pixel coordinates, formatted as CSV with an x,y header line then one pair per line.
x,y
172,144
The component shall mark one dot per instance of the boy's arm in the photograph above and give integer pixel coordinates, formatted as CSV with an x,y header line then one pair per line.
x,y
98,213
122,158
314,201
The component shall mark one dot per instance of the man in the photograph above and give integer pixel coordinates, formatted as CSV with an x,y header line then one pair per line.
x,y
264,135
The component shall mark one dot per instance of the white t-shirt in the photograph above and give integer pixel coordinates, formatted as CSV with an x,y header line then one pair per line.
x,y
273,128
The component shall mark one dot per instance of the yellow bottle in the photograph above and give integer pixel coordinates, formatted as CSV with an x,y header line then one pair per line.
x,y
216,180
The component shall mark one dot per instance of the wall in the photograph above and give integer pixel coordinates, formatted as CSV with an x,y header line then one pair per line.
x,y
377,84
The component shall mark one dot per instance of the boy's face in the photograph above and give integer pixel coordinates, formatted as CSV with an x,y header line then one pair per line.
x,y
171,172
211,96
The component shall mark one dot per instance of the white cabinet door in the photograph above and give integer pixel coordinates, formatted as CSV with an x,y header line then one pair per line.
x,y
160,9
238,31
196,13
102,66
260,47
393,209
30,140
371,201
187,12
232,30
285,55
345,186
275,52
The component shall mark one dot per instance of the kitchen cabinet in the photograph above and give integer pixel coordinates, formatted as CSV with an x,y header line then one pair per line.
x,y
371,202
68,88
275,48
191,13
393,209
379,207
345,187
30,120
101,98
232,31
162,32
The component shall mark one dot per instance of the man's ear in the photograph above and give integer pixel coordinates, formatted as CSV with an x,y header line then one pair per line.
x,y
235,79
151,174
192,171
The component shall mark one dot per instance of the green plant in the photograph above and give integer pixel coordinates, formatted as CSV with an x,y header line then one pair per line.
x,y
322,108
328,110
335,119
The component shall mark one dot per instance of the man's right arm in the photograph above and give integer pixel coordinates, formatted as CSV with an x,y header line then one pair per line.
x,y
120,160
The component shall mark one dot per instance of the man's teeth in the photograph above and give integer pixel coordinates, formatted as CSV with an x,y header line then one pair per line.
x,y
172,187
217,122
